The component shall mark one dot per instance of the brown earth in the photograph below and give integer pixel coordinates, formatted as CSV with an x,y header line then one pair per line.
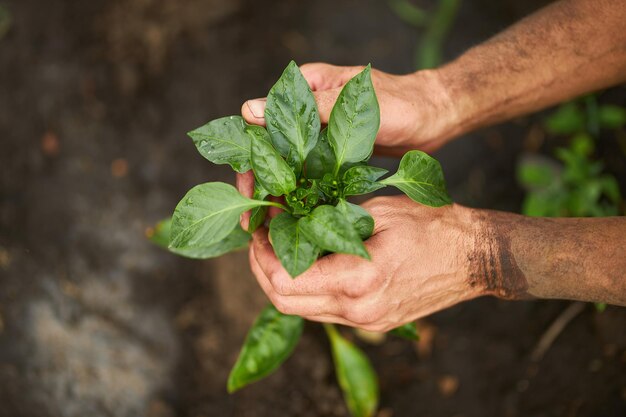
x,y
95,97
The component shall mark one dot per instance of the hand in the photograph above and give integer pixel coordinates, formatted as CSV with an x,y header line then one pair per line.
x,y
419,266
415,111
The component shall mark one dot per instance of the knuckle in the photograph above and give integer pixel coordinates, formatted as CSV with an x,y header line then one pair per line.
x,y
357,289
281,305
279,284
357,313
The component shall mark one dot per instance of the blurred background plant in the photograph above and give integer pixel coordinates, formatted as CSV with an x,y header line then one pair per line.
x,y
433,24
5,20
574,183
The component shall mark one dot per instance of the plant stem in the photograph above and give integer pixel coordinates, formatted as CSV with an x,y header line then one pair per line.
x,y
275,204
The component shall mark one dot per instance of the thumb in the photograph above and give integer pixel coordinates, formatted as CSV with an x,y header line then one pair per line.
x,y
253,111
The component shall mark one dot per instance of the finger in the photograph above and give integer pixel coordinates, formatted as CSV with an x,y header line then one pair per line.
x,y
275,211
310,305
325,101
326,318
321,76
336,275
245,185
253,111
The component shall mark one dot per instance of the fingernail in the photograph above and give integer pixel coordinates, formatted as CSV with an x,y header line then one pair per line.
x,y
257,107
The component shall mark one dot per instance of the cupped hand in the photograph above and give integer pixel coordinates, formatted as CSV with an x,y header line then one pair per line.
x,y
418,266
414,108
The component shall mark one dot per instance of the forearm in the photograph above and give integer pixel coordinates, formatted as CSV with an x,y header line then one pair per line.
x,y
569,48
519,257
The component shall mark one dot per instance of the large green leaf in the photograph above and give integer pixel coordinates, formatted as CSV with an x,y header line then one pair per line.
x,y
406,331
291,114
270,169
224,141
295,252
420,177
355,375
269,343
354,120
258,214
321,159
207,214
361,179
331,230
360,219
237,239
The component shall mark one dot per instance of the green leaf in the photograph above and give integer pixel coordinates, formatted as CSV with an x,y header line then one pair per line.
x,y
330,229
354,120
360,219
295,252
566,120
270,169
321,159
258,214
612,117
355,375
536,174
269,343
207,214
291,114
420,177
237,239
224,141
406,331
361,179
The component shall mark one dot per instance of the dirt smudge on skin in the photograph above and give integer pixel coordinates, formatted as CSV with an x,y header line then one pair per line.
x,y
492,265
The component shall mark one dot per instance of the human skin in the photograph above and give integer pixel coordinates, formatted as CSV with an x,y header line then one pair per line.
x,y
427,259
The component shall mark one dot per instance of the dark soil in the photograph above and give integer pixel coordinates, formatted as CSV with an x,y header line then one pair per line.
x,y
95,98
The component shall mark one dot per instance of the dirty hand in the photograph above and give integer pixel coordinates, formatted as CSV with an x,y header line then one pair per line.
x,y
418,266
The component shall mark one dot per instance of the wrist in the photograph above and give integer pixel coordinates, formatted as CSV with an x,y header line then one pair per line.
x,y
491,266
435,114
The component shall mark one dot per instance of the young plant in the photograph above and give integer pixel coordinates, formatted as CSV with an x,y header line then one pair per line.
x,y
313,171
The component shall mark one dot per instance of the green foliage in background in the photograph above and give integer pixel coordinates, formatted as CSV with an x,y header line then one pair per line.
x,y
5,21
578,185
312,171
435,25
575,185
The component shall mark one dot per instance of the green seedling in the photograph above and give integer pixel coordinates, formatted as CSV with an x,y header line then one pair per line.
x,y
313,171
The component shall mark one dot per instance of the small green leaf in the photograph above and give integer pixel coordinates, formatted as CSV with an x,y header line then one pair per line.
x,y
321,159
568,119
237,239
207,214
406,331
269,343
330,229
361,179
354,120
420,177
612,117
258,214
291,114
355,375
537,174
224,141
360,219
295,252
270,169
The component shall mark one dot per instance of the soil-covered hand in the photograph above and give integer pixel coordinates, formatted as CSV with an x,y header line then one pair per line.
x,y
418,266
